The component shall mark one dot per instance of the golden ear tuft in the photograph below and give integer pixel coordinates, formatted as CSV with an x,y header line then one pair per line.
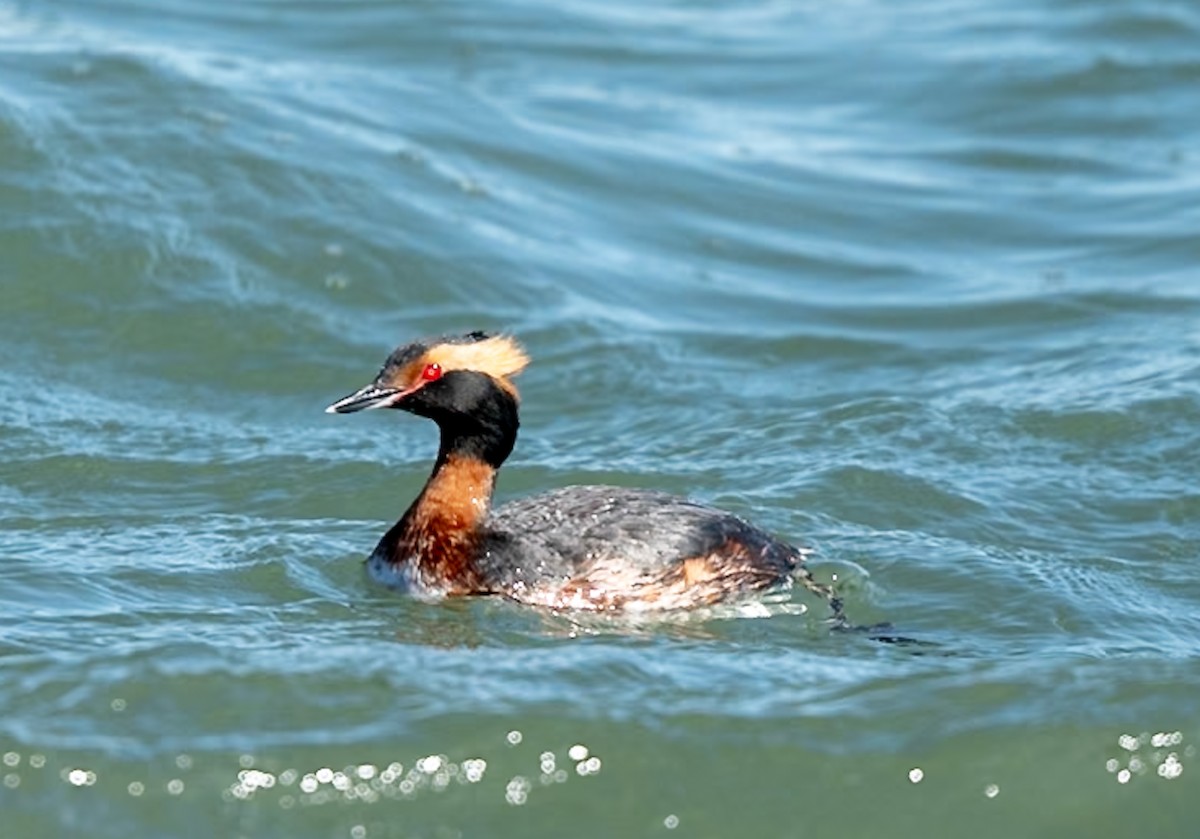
x,y
499,356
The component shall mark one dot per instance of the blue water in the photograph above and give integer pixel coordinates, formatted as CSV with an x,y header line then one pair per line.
x,y
915,285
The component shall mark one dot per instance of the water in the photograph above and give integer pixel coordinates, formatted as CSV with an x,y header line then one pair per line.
x,y
914,284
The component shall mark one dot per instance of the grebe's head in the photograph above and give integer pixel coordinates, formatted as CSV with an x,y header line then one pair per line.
x,y
447,378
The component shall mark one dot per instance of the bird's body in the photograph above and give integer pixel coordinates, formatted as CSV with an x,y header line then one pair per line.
x,y
600,548
597,548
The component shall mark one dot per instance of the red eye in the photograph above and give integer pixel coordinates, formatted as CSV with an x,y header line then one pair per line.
x,y
432,372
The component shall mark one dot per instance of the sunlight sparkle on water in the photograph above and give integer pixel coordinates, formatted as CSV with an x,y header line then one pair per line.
x,y
80,777
1165,739
368,783
473,770
1170,768
250,780
517,791
1166,765
361,782
588,767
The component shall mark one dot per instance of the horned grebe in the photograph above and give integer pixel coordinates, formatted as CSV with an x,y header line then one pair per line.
x,y
580,547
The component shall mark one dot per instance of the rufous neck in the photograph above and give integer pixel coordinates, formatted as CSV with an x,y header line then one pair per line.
x,y
442,531
459,491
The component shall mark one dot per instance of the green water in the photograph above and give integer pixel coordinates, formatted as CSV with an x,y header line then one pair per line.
x,y
915,285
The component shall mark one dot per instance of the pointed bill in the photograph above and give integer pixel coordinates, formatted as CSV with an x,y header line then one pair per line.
x,y
365,399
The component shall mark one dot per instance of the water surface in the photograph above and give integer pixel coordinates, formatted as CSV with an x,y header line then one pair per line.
x,y
914,285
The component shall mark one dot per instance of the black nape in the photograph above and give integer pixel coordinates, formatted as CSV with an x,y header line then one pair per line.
x,y
477,417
